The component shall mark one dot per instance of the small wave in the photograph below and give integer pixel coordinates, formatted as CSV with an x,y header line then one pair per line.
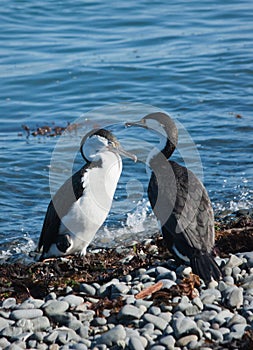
x,y
19,252
139,225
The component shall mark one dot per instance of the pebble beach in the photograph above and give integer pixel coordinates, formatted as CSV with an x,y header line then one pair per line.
x,y
155,306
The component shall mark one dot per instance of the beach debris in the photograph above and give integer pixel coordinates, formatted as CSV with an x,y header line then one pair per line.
x,y
149,290
49,130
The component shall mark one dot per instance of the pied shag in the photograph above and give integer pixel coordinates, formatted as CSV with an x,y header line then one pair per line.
x,y
82,203
180,201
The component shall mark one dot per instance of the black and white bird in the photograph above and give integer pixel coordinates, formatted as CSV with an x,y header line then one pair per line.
x,y
180,201
81,205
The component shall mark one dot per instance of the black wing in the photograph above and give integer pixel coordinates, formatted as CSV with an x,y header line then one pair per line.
x,y
58,207
181,203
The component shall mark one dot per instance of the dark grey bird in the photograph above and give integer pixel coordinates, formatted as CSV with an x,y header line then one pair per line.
x,y
180,201
81,205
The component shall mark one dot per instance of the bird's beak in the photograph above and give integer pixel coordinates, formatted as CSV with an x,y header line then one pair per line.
x,y
140,123
127,154
121,151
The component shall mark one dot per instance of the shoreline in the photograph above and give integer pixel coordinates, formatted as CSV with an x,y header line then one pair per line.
x,y
93,303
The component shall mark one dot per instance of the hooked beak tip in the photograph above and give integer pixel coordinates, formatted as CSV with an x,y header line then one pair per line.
x,y
128,124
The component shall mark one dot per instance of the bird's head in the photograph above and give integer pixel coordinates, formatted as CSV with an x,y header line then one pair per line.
x,y
98,141
163,126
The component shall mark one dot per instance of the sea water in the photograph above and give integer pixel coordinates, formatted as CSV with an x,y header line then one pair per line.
x,y
102,64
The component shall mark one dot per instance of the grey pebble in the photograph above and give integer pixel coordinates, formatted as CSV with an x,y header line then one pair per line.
x,y
112,337
87,289
167,283
51,296
25,324
168,341
78,346
216,335
32,344
166,316
4,343
9,303
236,319
239,328
135,343
40,323
51,337
119,290
11,332
105,289
73,300
83,331
16,346
157,347
157,321
184,325
55,307
130,312
223,317
63,319
146,303
229,280
99,321
3,323
86,315
66,335
166,276
233,297
184,341
154,310
74,323
26,314
206,315
234,261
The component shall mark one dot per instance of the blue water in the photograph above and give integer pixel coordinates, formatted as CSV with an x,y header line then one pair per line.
x,y
60,60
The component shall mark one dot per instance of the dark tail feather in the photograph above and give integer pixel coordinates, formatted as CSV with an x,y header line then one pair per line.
x,y
205,266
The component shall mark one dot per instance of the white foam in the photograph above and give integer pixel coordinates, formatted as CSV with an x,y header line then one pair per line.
x,y
140,224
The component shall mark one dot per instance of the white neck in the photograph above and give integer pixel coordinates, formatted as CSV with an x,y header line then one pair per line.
x,y
101,182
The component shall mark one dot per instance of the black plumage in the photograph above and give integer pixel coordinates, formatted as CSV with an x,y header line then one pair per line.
x,y
180,202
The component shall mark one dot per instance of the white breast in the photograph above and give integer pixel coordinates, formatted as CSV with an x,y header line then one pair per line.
x,y
89,212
